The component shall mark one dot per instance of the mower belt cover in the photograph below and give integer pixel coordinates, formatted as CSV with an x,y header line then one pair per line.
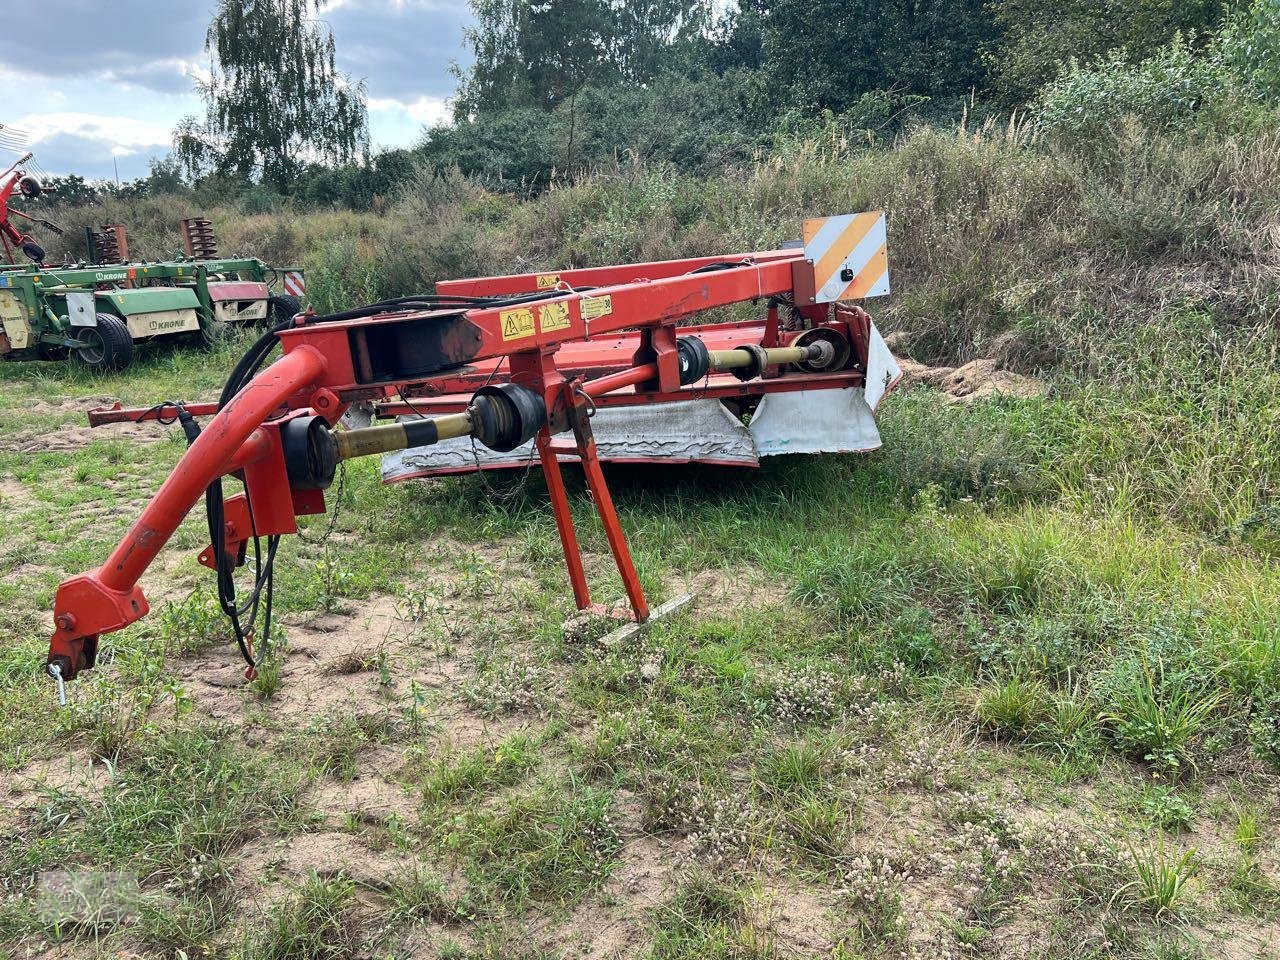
x,y
238,301
155,311
14,324
828,421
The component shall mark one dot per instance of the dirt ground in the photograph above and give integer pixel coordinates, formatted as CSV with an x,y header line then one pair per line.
x,y
431,767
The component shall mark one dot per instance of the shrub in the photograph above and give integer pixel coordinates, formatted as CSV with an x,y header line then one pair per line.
x,y
1013,707
987,450
1160,883
1160,722
317,923
1264,729
1165,92
1167,809
341,275
1250,45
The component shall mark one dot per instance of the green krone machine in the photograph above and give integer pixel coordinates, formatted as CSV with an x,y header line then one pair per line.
x,y
97,311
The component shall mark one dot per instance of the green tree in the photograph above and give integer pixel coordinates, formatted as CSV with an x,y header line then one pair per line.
x,y
825,54
1038,40
652,37
1250,45
274,99
530,53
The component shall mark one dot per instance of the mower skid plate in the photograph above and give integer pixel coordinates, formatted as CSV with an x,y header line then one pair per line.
x,y
693,431
688,431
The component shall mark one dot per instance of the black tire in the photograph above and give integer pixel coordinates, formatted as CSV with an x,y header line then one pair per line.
x,y
282,307
108,346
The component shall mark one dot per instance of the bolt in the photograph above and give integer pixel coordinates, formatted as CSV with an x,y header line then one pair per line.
x,y
65,621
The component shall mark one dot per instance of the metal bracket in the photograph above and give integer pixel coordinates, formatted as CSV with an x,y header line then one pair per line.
x,y
81,311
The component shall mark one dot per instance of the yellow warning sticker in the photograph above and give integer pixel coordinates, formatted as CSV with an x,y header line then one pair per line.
x,y
516,324
548,281
553,316
593,308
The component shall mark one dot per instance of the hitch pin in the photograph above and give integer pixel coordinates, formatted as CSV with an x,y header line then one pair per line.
x,y
55,671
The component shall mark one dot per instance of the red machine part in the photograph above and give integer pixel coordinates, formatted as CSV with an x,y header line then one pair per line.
x,y
11,235
568,348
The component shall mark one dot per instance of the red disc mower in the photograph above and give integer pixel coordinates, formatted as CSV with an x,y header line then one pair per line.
x,y
580,365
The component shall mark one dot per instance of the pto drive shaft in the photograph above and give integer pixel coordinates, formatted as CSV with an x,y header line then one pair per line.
x,y
502,417
368,441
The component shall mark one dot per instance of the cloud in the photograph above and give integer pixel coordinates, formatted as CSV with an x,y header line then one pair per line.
x,y
129,132
427,111
91,157
114,78
171,75
445,6
93,38
402,51
87,143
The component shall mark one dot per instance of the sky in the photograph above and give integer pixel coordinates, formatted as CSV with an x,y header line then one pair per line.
x,y
99,85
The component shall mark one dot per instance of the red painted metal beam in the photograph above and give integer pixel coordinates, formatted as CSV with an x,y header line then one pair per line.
x,y
503,331
109,598
598,276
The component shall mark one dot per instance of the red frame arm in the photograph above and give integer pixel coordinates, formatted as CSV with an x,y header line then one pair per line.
x,y
109,598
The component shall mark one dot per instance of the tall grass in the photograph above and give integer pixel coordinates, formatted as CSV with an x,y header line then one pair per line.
x,y
997,243
1138,275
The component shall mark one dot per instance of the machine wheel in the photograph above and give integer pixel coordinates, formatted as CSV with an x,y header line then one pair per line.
x,y
108,346
282,307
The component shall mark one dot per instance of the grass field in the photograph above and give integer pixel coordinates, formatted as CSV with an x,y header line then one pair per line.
x,y
1009,687
932,702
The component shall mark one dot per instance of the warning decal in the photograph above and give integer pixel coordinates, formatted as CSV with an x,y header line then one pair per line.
x,y
516,324
849,256
553,316
548,281
593,308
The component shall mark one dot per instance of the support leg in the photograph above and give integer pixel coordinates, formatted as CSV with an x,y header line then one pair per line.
x,y
612,528
564,520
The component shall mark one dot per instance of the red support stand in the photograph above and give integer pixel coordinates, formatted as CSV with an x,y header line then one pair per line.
x,y
588,454
564,520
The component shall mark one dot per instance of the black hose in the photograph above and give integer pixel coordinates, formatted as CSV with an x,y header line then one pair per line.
x,y
722,265
262,595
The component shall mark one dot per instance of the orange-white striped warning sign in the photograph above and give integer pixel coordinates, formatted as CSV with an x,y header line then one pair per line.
x,y
295,283
849,255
